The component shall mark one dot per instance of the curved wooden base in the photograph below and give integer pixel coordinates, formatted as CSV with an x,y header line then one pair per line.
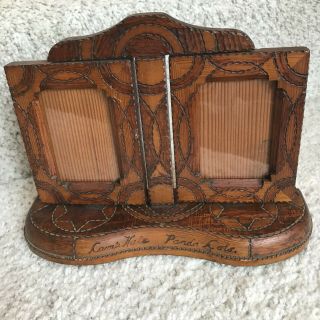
x,y
236,234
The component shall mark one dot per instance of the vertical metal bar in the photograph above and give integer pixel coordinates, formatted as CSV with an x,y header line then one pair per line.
x,y
139,120
170,125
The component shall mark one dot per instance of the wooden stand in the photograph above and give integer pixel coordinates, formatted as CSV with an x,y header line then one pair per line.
x,y
158,137
236,234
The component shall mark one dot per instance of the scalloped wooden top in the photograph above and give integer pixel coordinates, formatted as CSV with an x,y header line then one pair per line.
x,y
149,35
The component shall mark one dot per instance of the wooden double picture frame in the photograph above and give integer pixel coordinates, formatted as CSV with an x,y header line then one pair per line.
x,y
165,122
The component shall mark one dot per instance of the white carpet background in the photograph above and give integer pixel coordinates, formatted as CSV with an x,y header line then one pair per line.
x,y
159,287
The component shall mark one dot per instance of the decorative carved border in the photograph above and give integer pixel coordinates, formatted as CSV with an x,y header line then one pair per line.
x,y
215,237
149,34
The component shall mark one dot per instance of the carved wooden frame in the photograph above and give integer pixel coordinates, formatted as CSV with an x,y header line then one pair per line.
x,y
28,81
239,222
288,67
